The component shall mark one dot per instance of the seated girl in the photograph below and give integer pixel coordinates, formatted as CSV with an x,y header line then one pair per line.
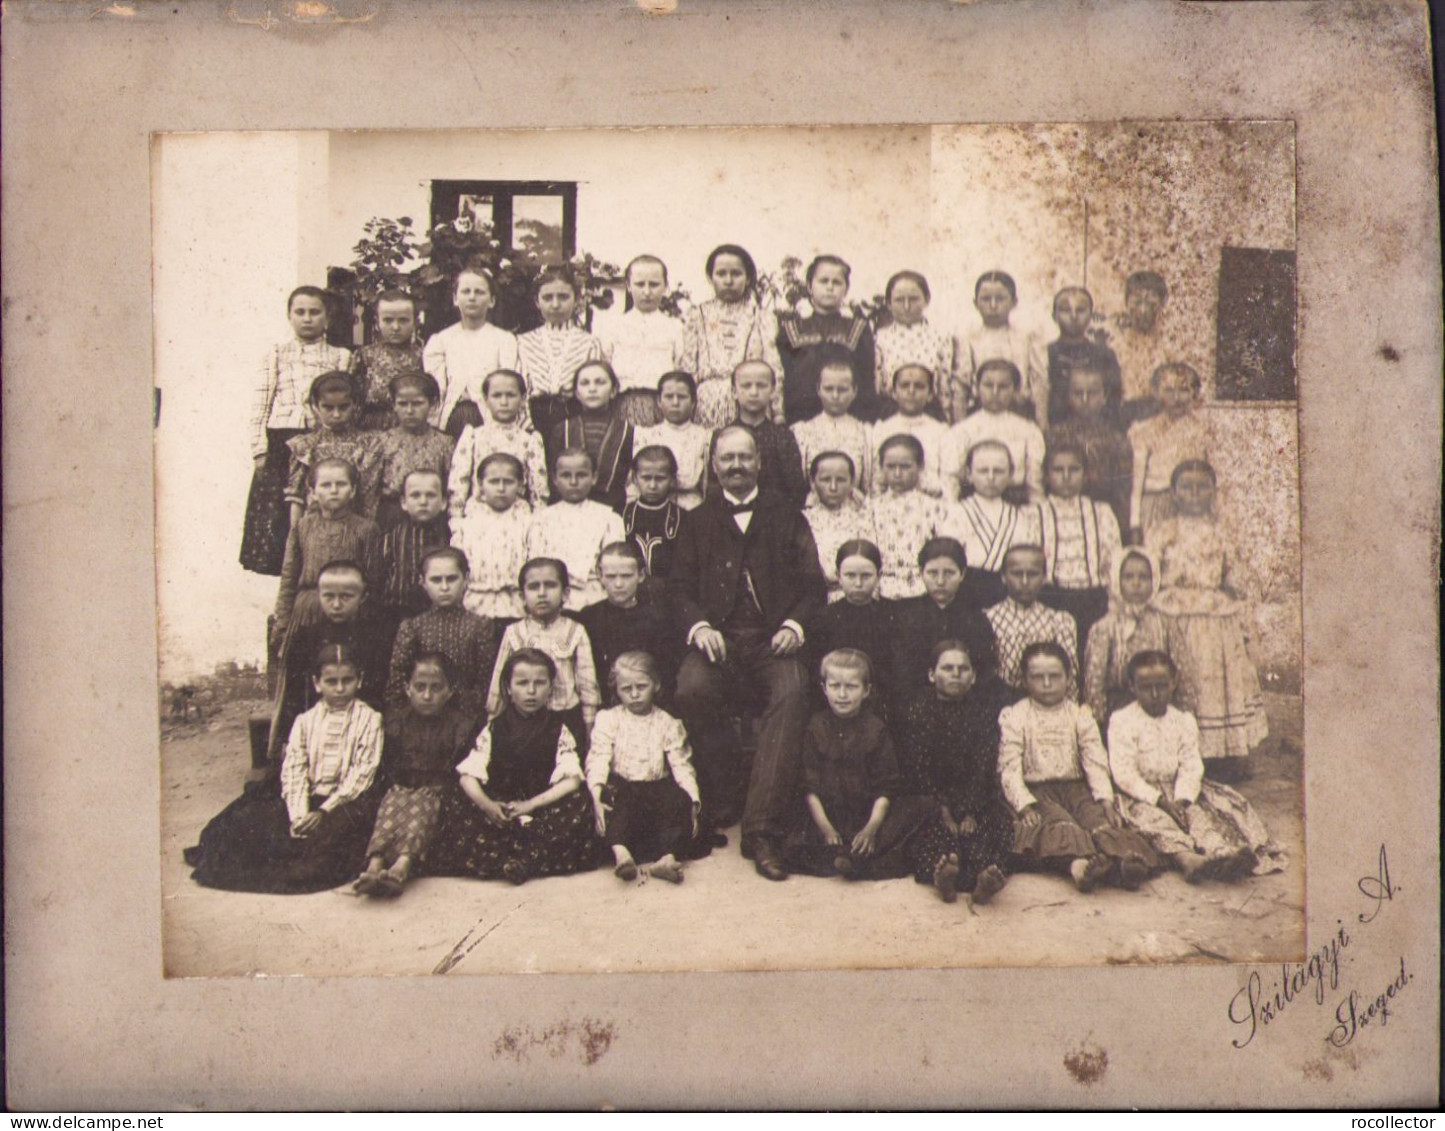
x,y
309,834
948,747
860,822
424,742
520,811
640,775
1208,830
1055,775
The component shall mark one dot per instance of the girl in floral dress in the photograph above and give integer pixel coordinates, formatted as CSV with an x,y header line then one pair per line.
x,y
909,340
725,331
904,518
1217,679
835,512
493,535
682,435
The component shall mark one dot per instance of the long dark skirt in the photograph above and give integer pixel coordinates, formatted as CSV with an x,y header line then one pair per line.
x,y
1085,605
1074,826
268,514
560,839
248,845
464,415
982,588
547,412
906,836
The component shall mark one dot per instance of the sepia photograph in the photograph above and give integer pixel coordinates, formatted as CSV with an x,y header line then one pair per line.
x,y
1008,674
717,554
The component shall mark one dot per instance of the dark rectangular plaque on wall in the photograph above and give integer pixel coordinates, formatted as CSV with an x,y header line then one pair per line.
x,y
1254,359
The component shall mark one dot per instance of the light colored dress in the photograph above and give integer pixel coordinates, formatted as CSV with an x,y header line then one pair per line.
x,y
495,543
831,528
476,444
1116,638
565,640
1153,758
718,337
1023,439
1017,626
846,434
1218,681
641,347
932,434
1160,445
1081,541
550,357
904,522
988,528
689,443
575,533
896,345
1024,349
460,360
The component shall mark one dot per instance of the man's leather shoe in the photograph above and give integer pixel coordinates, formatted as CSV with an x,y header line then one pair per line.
x,y
768,864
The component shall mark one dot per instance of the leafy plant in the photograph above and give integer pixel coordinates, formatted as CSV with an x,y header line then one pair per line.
x,y
387,247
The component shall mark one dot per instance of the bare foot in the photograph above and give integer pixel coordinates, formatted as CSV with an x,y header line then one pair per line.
x,y
670,871
945,878
991,881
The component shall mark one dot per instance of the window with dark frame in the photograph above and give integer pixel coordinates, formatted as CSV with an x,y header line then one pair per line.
x,y
536,216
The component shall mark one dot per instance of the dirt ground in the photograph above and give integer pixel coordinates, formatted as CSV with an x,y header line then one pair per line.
x,y
724,917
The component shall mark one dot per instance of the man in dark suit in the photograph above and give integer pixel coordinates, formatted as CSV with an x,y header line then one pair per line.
x,y
747,587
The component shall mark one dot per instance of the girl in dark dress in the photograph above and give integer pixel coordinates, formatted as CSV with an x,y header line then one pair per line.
x,y
633,618
309,834
948,749
861,620
424,743
943,612
861,821
520,811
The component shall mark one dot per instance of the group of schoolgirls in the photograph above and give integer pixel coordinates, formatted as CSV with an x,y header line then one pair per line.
x,y
473,653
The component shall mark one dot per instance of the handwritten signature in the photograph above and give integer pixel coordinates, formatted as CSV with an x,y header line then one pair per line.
x,y
1256,1007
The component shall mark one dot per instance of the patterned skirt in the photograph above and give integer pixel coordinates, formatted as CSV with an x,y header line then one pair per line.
x,y
268,514
1221,822
558,840
406,822
639,408
715,404
1218,683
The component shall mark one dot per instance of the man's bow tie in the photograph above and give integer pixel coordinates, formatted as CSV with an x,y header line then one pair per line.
x,y
742,508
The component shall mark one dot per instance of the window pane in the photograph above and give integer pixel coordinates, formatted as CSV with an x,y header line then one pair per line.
x,y
477,208
537,226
